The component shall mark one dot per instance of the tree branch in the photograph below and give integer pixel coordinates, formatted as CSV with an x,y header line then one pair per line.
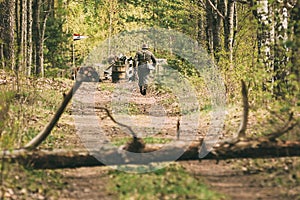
x,y
243,126
216,9
286,128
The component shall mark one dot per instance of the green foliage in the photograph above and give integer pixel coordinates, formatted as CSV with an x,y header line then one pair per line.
x,y
171,182
57,41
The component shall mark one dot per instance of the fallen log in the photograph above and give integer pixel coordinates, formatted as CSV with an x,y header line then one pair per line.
x,y
52,159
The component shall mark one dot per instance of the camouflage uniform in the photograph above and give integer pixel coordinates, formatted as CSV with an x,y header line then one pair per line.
x,y
144,58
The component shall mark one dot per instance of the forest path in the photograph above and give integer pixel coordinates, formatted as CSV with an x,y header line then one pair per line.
x,y
91,182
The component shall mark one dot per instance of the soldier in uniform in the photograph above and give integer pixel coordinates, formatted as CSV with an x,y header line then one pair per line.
x,y
144,59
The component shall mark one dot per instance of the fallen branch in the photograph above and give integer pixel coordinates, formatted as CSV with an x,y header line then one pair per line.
x,y
80,157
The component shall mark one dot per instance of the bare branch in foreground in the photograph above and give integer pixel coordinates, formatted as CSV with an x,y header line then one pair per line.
x,y
243,126
86,74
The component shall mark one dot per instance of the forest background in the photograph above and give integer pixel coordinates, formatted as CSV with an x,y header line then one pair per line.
x,y
252,40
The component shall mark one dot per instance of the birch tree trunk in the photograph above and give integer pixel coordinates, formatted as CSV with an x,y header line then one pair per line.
x,y
282,14
40,13
21,33
2,28
229,28
24,36
29,37
266,41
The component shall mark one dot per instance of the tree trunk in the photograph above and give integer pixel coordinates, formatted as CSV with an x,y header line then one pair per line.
x,y
2,30
295,57
213,27
209,29
229,28
201,29
24,36
266,41
29,37
40,15
21,33
37,36
281,51
9,38
217,20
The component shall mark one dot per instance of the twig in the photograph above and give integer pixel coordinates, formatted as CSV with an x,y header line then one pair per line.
x,y
287,127
202,4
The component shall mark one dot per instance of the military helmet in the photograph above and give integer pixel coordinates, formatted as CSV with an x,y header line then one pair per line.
x,y
145,46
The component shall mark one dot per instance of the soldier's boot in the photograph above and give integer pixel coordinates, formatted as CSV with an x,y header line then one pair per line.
x,y
141,90
144,90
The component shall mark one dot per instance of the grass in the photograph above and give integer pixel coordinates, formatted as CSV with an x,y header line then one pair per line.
x,y
172,182
128,108
106,87
282,173
29,110
25,183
